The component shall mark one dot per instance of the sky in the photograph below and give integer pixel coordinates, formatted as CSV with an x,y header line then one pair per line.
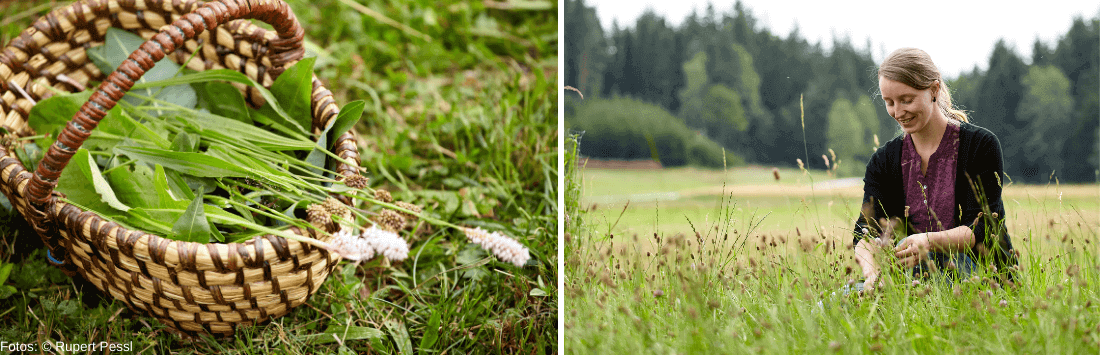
x,y
958,34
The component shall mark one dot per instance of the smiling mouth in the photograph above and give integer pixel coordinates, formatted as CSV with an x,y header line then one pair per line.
x,y
907,120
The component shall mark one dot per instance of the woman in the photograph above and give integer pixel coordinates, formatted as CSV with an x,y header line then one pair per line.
x,y
939,183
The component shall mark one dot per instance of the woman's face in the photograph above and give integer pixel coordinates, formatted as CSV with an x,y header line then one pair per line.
x,y
912,108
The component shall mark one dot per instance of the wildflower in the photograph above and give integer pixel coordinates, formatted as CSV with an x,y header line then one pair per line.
x,y
383,195
356,181
351,246
386,243
658,293
505,249
411,207
391,220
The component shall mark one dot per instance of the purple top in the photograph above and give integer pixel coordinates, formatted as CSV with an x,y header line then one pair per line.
x,y
930,197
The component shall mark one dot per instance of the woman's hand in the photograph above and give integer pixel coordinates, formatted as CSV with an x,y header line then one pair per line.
x,y
913,250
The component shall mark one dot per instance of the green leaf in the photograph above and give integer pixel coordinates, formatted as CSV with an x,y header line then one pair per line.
x,y
224,100
118,44
5,270
236,130
185,143
192,225
50,116
348,117
345,334
431,332
293,89
102,187
178,186
134,187
166,196
79,186
400,336
194,164
272,109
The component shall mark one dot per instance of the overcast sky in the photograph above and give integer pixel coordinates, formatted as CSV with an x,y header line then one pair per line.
x,y
958,34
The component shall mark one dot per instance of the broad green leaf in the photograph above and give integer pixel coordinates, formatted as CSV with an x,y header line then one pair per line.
x,y
178,186
293,89
5,270
345,334
82,183
194,164
50,116
166,197
134,185
400,336
118,44
185,143
192,225
348,117
224,100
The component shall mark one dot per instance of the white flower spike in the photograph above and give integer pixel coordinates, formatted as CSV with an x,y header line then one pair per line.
x,y
387,243
506,249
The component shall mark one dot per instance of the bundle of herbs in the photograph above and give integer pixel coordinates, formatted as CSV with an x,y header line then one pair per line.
x,y
185,157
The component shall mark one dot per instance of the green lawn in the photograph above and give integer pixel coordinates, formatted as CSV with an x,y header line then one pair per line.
x,y
461,118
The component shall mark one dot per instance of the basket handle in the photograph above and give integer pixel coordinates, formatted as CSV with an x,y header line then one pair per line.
x,y
285,49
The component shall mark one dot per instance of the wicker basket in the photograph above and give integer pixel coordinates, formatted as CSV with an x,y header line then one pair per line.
x,y
191,287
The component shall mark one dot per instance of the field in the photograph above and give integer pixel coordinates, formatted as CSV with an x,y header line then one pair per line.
x,y
709,261
461,118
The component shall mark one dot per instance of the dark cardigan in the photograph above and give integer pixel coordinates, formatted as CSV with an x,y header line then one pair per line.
x,y
979,165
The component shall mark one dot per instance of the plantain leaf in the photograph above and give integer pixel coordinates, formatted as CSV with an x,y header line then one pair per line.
x,y
82,183
185,143
134,185
224,100
192,225
194,164
293,89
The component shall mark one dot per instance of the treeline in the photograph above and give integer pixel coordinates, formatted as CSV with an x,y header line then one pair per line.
x,y
735,83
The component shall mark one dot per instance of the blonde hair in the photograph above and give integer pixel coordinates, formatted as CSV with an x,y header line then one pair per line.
x,y
914,67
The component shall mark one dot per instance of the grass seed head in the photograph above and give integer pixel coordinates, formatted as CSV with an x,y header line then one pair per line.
x,y
383,195
356,181
319,217
411,207
336,208
391,220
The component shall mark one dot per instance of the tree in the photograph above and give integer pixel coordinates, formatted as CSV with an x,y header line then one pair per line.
x,y
844,132
1048,109
995,108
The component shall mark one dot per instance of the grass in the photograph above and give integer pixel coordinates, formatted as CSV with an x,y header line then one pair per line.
x,y
461,119
754,272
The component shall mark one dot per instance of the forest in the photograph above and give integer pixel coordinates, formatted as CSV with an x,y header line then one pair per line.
x,y
721,89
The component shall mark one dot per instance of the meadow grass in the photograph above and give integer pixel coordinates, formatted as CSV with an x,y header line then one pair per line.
x,y
461,119
762,272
